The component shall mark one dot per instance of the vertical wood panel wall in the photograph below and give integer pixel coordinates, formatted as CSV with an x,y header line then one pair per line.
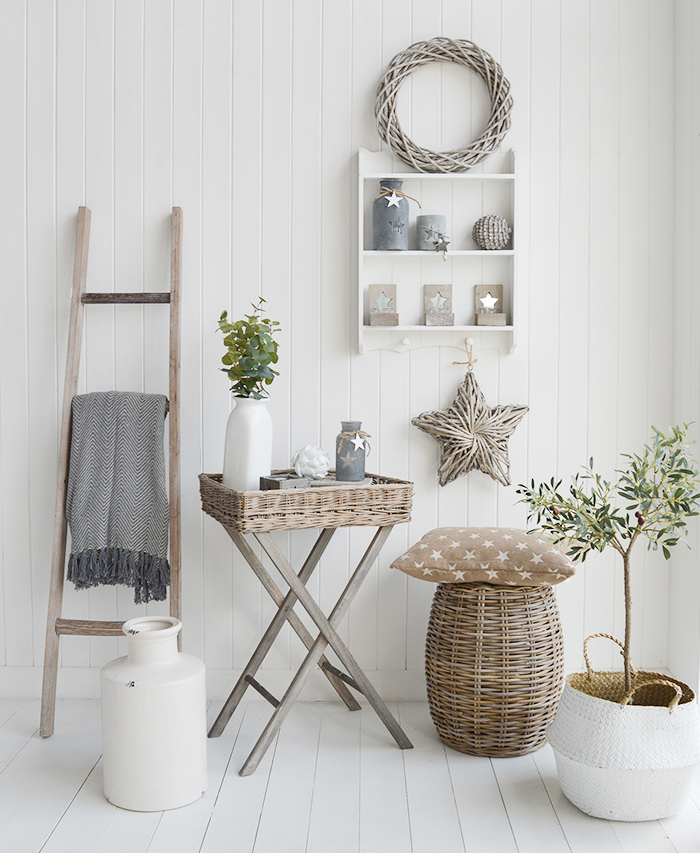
x,y
249,116
684,627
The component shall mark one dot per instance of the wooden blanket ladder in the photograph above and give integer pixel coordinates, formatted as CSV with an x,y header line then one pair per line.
x,y
56,625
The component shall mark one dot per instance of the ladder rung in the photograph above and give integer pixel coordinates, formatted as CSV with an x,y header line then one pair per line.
x,y
123,298
89,628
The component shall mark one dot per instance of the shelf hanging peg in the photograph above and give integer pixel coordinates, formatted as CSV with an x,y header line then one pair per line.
x,y
471,361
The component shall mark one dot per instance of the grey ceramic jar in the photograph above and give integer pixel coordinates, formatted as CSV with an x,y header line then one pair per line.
x,y
390,220
350,453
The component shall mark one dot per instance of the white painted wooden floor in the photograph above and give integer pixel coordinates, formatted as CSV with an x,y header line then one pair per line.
x,y
333,782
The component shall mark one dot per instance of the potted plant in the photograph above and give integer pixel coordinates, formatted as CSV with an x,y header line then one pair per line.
x,y
621,754
251,350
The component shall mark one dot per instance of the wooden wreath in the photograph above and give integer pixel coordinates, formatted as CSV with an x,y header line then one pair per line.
x,y
443,50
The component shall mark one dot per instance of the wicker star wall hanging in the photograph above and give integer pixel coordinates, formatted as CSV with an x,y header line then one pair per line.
x,y
472,435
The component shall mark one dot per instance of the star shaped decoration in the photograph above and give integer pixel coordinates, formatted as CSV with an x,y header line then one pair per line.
x,y
472,435
382,302
489,302
393,200
459,576
347,460
438,301
492,574
358,441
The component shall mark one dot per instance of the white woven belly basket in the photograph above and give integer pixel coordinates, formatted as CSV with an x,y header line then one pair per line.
x,y
621,761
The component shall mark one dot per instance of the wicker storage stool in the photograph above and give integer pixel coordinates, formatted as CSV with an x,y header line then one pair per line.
x,y
494,666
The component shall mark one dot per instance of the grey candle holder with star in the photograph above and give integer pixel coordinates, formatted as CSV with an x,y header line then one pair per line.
x,y
382,305
437,302
488,305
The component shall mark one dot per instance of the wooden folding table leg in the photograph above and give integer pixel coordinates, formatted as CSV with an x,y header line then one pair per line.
x,y
314,656
328,629
284,613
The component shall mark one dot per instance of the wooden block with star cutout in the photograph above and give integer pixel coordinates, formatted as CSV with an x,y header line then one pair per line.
x,y
437,301
382,305
488,305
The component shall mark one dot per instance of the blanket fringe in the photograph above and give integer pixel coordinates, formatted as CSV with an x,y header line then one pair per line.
x,y
147,574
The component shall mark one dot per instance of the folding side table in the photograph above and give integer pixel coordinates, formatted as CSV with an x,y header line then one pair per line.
x,y
383,503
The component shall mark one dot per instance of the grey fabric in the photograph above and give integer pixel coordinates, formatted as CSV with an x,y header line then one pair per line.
x,y
116,501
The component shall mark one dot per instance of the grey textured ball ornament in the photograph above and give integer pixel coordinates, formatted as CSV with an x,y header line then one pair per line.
x,y
491,232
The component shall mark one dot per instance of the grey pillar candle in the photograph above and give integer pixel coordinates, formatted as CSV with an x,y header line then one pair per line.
x,y
350,453
390,219
428,228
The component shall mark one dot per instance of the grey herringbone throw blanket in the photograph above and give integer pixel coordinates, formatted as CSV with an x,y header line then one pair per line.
x,y
116,503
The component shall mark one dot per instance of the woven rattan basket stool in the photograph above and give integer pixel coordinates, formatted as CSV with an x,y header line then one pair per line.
x,y
494,666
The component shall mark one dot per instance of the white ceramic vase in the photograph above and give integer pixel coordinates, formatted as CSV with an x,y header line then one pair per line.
x,y
248,447
154,738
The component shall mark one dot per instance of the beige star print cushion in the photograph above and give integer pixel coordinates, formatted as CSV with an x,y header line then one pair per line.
x,y
502,555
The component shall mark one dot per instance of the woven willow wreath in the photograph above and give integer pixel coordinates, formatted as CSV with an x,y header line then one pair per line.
x,y
443,50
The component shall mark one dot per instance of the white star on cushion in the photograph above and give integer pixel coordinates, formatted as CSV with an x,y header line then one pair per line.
x,y
475,536
492,574
393,199
459,576
507,536
521,546
487,543
536,559
502,556
454,544
427,571
525,575
469,555
442,537
472,435
436,555
484,565
419,565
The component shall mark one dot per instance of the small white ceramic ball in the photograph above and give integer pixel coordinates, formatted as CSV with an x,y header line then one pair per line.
x,y
311,462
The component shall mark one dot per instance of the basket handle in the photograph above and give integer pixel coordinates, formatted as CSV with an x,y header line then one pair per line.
x,y
676,699
589,668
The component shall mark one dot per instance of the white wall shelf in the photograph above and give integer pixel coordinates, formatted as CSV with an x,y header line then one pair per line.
x,y
463,197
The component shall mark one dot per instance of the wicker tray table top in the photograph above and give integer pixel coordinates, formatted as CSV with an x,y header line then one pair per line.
x,y
384,501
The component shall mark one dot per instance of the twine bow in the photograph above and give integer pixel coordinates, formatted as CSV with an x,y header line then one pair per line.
x,y
471,361
361,433
385,191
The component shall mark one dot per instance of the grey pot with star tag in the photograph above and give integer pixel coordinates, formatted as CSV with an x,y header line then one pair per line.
x,y
390,218
350,453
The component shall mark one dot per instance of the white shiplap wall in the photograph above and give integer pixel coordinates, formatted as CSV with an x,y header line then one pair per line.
x,y
684,642
249,116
